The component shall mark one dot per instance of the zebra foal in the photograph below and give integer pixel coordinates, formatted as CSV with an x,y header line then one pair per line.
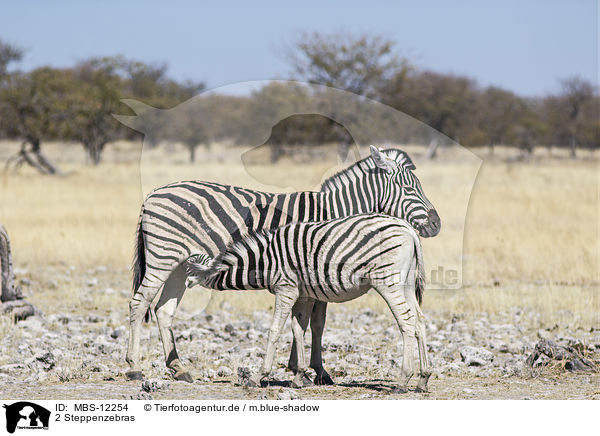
x,y
329,261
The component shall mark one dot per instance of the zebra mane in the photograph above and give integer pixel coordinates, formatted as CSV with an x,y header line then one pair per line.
x,y
364,166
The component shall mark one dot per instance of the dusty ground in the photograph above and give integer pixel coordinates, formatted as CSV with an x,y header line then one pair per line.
x,y
77,351
555,388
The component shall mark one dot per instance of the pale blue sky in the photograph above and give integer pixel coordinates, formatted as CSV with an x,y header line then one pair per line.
x,y
524,46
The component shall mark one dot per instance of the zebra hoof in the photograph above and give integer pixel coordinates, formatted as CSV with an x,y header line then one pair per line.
x,y
134,375
305,382
323,380
253,382
399,390
184,376
422,390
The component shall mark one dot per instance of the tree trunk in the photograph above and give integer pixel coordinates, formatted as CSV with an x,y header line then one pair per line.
x,y
31,154
42,161
9,290
432,149
11,299
573,147
94,152
276,152
343,149
192,149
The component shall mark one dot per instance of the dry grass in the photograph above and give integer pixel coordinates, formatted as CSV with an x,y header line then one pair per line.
x,y
531,235
544,306
534,224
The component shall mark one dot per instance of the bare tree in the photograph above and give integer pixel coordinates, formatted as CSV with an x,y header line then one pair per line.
x,y
8,54
444,102
576,93
21,115
363,64
358,63
34,104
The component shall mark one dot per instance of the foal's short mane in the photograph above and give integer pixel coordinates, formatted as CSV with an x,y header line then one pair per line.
x,y
237,247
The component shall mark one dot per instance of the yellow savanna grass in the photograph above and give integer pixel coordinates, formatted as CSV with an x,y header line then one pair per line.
x,y
531,233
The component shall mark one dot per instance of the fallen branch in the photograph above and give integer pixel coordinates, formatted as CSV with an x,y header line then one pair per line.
x,y
573,359
17,309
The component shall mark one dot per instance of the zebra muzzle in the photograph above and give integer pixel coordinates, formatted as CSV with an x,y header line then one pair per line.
x,y
432,226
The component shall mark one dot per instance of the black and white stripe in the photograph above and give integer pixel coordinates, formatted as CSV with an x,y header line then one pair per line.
x,y
331,261
192,218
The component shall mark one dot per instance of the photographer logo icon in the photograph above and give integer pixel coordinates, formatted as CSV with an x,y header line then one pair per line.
x,y
26,415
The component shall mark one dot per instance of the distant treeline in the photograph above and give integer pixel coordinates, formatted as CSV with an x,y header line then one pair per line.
x,y
76,104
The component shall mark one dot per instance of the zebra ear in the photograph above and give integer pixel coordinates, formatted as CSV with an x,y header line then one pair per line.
x,y
382,161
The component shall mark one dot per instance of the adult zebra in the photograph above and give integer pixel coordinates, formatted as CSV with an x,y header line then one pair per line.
x,y
330,261
194,218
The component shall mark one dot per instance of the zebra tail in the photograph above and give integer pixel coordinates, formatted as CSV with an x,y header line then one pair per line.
x,y
139,263
420,273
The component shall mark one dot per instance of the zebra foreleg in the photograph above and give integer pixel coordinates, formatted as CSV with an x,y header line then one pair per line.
x,y
300,316
317,325
285,298
165,314
420,331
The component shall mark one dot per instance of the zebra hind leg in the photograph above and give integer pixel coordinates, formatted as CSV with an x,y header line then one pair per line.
x,y
405,317
424,365
138,306
300,316
165,314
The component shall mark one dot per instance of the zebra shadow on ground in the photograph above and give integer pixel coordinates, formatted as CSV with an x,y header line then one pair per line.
x,y
374,385
263,383
377,385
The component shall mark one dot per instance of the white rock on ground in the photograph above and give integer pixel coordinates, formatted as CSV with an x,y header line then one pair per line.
x,y
476,356
154,385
